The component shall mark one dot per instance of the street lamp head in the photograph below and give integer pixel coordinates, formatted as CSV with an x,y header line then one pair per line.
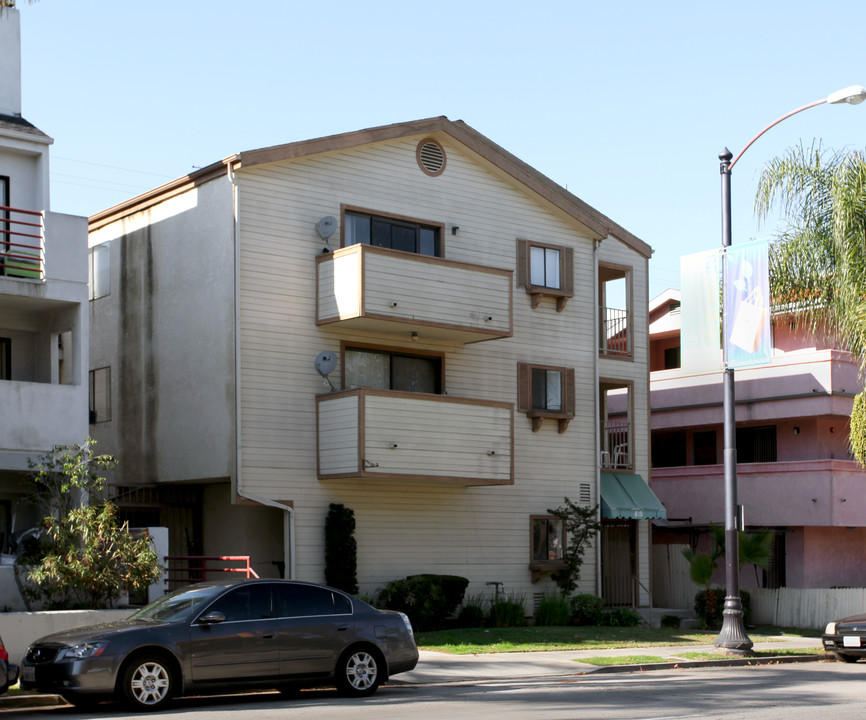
x,y
853,95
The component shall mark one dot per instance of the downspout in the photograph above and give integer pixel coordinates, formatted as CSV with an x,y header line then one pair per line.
x,y
289,517
597,333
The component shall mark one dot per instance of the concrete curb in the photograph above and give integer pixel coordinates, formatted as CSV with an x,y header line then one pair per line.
x,y
727,662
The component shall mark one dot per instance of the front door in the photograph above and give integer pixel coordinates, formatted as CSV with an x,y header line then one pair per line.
x,y
617,562
244,645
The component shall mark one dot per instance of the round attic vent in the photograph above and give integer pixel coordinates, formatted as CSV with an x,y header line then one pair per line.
x,y
431,157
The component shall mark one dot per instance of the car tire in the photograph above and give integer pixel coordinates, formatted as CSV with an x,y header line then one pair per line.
x,y
359,672
845,657
147,683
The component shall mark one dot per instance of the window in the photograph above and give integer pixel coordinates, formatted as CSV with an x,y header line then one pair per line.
x,y
250,602
545,270
704,447
391,232
5,358
391,370
307,600
672,358
100,270
100,395
756,444
545,392
547,541
668,449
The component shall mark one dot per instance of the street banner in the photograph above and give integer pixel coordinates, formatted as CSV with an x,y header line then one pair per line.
x,y
747,304
700,335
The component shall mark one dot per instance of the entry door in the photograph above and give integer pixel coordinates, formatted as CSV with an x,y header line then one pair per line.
x,y
617,562
245,645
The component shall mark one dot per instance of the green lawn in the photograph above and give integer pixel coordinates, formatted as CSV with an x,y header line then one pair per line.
x,y
466,641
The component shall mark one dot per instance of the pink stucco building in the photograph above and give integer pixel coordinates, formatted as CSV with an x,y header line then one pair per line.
x,y
796,475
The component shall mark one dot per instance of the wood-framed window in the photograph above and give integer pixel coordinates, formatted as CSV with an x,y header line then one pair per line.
x,y
547,541
392,369
545,270
545,391
391,231
100,395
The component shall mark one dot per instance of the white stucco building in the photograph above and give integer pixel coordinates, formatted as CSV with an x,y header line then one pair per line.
x,y
455,300
43,302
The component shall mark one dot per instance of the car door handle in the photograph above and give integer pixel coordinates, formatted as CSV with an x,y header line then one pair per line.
x,y
342,628
268,636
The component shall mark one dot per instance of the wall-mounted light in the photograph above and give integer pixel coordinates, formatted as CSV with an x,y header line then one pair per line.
x,y
413,336
454,229
796,430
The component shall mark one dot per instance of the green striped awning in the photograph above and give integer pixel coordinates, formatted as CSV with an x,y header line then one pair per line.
x,y
628,496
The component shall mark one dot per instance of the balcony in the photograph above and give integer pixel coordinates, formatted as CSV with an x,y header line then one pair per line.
x,y
824,492
373,289
615,340
22,242
615,445
383,434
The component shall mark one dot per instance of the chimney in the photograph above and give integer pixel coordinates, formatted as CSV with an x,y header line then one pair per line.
x,y
10,59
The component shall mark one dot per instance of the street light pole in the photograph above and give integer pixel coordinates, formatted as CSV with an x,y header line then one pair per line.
x,y
732,637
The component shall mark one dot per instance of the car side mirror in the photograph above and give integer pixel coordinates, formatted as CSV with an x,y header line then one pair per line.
x,y
212,618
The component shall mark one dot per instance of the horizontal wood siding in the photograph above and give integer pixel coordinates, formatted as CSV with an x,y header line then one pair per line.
x,y
480,532
338,428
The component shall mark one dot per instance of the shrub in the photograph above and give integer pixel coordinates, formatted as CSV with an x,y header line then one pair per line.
x,y
671,621
586,609
507,613
620,617
341,549
553,610
423,598
470,616
712,617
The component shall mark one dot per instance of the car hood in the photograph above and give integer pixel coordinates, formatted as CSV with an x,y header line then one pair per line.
x,y
853,620
102,631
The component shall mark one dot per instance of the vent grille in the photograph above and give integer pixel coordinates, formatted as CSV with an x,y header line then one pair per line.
x,y
431,157
585,493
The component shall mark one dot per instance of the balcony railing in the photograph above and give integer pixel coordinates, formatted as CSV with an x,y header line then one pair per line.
x,y
615,446
615,337
383,434
368,288
22,242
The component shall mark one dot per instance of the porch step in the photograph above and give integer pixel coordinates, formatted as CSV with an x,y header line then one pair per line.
x,y
688,620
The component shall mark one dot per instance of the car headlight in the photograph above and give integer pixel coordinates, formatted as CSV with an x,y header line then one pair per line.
x,y
85,650
830,629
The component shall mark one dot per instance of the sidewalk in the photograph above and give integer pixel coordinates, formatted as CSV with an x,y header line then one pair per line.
x,y
436,668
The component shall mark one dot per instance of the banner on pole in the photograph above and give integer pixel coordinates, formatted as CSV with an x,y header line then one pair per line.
x,y
700,312
747,304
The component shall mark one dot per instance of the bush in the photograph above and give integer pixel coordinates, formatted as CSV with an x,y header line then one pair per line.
x,y
553,610
712,616
586,609
341,549
470,616
620,617
423,598
671,621
506,613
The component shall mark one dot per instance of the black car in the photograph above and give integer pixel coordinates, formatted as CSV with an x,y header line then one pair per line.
x,y
846,638
219,636
8,671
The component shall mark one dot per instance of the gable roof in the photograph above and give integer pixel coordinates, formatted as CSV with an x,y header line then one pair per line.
x,y
598,224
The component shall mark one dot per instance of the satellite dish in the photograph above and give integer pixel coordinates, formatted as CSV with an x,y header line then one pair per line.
x,y
326,227
325,363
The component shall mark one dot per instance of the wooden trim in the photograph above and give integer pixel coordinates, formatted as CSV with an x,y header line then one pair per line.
x,y
440,226
431,397
524,396
566,273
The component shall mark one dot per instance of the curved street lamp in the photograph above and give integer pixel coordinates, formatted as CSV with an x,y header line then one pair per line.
x,y
732,637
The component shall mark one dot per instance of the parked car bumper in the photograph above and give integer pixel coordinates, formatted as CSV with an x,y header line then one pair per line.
x,y
92,675
11,677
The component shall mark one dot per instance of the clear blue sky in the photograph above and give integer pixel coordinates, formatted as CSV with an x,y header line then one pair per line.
x,y
627,104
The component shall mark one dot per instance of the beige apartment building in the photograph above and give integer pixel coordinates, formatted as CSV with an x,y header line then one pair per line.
x,y
406,320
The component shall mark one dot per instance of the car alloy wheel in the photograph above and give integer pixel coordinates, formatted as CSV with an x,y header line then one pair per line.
x,y
147,683
359,674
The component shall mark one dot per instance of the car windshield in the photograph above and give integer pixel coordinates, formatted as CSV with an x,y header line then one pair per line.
x,y
177,605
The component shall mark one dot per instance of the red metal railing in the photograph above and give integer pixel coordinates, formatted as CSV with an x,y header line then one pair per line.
x,y
22,243
185,569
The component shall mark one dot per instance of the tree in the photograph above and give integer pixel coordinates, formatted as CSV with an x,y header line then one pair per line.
x,y
818,262
81,557
341,549
581,524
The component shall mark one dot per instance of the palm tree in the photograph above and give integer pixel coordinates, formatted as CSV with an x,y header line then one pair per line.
x,y
818,263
